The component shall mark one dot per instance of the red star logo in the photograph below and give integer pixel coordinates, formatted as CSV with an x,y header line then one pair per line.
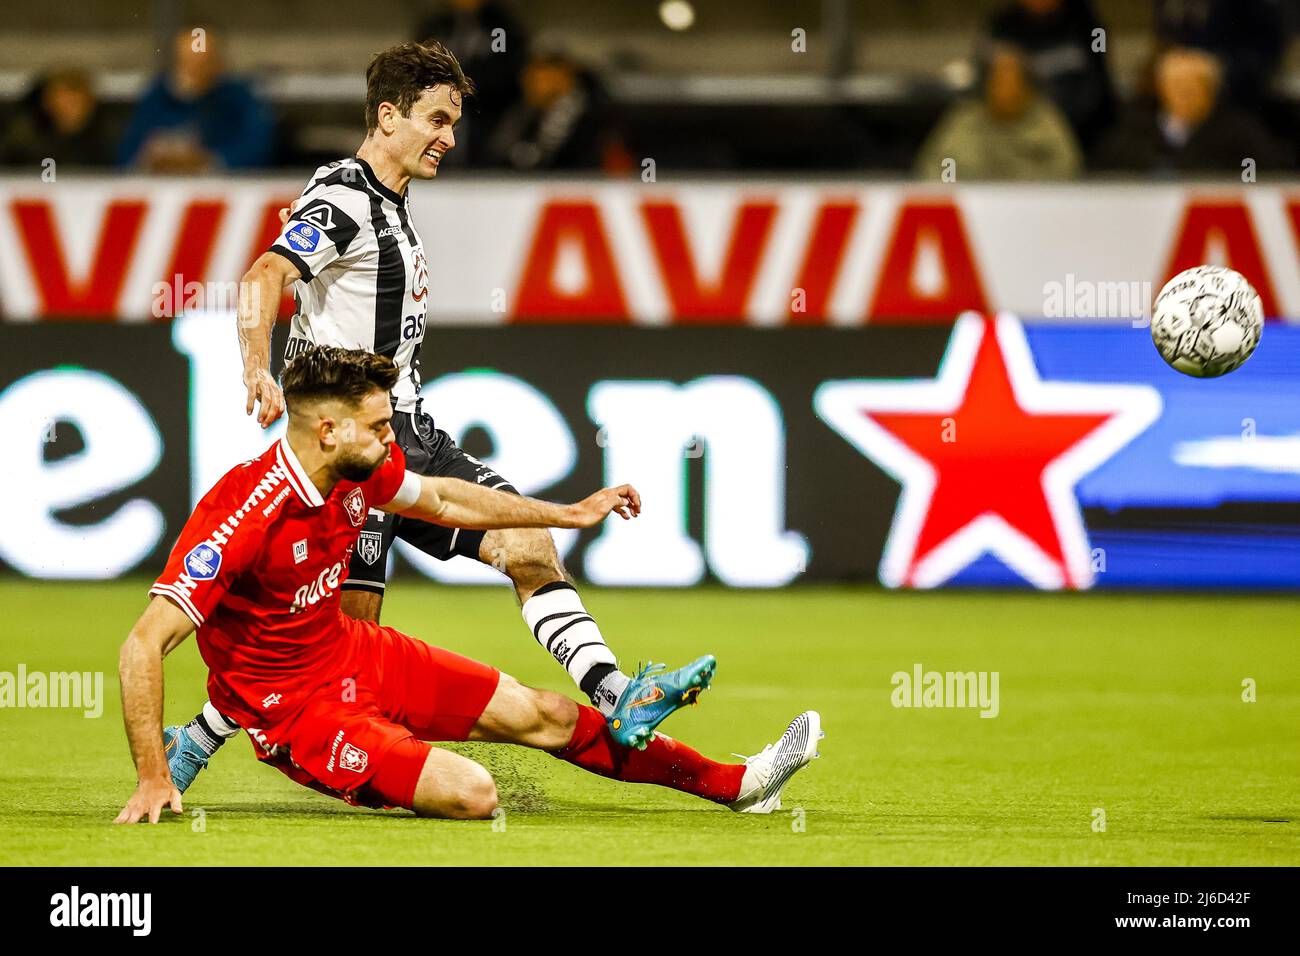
x,y
988,455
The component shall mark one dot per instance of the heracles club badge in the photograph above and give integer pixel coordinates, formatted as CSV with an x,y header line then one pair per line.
x,y
370,545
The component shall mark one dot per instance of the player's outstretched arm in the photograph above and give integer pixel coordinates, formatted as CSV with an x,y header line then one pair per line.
x,y
463,504
161,627
259,303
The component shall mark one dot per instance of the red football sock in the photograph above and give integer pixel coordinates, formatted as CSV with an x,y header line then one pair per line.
x,y
667,762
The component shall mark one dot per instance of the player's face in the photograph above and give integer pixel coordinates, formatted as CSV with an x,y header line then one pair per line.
x,y
363,445
426,135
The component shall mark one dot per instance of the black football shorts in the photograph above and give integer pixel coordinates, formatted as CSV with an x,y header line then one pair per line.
x,y
429,451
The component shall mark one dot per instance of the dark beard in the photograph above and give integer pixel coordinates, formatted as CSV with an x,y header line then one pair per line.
x,y
355,469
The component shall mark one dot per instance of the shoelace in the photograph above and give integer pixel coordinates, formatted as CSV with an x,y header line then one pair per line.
x,y
752,757
649,670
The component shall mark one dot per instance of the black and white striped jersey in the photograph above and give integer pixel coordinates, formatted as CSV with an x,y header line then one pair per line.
x,y
364,278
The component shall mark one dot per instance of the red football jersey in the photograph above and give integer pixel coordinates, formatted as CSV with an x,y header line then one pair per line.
x,y
257,568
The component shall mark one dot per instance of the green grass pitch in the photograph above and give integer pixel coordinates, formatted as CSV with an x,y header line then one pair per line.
x,y
1131,705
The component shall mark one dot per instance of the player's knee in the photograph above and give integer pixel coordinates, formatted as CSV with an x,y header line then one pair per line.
x,y
472,797
477,798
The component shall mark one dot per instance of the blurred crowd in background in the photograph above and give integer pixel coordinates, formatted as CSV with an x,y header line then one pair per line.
x,y
1041,101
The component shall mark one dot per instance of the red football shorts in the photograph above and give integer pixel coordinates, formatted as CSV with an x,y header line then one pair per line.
x,y
363,741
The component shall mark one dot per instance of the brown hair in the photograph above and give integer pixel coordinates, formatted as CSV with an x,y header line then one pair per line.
x,y
401,73
329,372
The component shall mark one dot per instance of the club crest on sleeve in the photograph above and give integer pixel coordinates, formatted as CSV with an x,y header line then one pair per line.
x,y
370,545
203,562
354,503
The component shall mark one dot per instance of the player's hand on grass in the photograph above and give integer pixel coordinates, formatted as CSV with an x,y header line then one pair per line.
x,y
148,800
623,500
265,392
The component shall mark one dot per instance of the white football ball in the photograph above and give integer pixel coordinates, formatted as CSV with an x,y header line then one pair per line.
x,y
1206,321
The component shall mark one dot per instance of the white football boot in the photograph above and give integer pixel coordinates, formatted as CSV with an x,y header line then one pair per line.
x,y
768,771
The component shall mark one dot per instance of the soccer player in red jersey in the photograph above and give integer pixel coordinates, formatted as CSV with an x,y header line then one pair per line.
x,y
346,706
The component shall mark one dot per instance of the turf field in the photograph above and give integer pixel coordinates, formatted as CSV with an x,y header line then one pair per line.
x,y
1130,705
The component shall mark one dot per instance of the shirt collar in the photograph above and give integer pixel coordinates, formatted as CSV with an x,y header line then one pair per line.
x,y
377,186
298,479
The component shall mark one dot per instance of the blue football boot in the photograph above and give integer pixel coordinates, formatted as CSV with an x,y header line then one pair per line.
x,y
185,758
654,694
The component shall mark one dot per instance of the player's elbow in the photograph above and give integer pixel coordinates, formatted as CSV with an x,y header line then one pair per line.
x,y
134,643
260,269
141,643
131,651
271,270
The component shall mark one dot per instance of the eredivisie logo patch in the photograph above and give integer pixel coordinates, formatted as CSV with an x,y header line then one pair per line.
x,y
203,562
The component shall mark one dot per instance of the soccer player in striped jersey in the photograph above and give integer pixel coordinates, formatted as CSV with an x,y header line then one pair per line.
x,y
360,278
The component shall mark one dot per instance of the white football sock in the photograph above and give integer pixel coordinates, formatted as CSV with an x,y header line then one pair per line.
x,y
609,690
219,724
562,625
